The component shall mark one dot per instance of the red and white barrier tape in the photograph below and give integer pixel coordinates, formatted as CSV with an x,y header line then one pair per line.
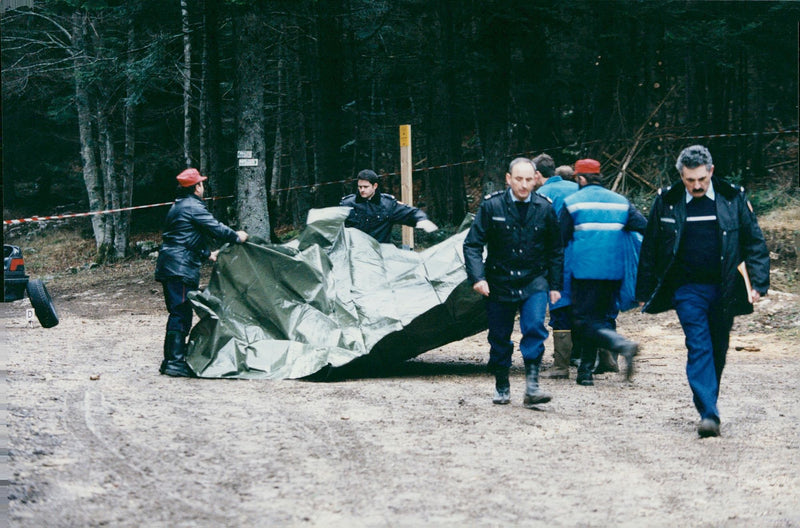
x,y
93,213
792,130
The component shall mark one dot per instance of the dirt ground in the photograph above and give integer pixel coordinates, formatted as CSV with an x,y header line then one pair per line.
x,y
98,438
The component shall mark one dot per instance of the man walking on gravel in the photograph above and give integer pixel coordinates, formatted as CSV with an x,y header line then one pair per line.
x,y
594,222
189,228
522,272
704,255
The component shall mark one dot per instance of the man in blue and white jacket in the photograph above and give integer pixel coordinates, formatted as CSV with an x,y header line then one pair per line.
x,y
593,223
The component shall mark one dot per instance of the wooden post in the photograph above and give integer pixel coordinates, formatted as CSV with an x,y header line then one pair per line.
x,y
406,182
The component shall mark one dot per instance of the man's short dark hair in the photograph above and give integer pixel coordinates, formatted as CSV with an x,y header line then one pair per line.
x,y
368,175
183,192
545,164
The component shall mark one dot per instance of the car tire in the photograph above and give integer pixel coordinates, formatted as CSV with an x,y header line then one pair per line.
x,y
42,304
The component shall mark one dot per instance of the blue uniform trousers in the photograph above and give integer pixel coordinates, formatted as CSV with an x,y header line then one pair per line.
x,y
531,324
176,297
707,331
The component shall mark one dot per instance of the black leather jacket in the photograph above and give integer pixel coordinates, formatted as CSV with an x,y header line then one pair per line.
x,y
188,229
740,240
524,255
376,216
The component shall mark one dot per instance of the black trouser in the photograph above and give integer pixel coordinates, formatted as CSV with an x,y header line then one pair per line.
x,y
592,302
176,297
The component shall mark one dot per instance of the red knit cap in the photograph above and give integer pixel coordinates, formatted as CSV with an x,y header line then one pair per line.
x,y
587,166
189,177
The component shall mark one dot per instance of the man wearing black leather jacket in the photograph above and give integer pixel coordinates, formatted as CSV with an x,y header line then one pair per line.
x,y
522,272
375,213
189,227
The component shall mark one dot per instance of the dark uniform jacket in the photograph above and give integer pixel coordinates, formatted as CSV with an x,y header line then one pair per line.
x,y
740,240
524,255
376,216
188,228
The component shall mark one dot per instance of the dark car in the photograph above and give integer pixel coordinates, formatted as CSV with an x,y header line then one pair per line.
x,y
16,283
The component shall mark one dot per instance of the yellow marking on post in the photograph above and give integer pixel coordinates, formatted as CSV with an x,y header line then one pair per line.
x,y
405,135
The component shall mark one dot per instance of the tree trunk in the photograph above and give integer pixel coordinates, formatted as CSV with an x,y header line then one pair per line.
x,y
276,181
110,185
251,185
187,84
91,176
128,166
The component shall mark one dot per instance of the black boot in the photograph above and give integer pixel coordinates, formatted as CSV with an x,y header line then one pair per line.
x,y
174,363
618,344
588,356
533,394
502,387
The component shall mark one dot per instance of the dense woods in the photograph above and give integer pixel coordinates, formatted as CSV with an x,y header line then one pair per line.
x,y
105,102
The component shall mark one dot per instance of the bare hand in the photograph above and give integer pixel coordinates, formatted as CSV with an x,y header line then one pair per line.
x,y
756,296
213,255
481,287
555,296
242,236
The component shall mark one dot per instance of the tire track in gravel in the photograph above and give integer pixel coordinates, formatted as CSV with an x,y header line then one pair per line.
x,y
114,464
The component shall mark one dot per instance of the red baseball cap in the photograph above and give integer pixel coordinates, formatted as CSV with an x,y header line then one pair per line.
x,y
189,177
587,166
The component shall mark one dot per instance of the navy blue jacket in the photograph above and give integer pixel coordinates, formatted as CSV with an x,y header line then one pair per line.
x,y
740,240
524,255
184,247
376,216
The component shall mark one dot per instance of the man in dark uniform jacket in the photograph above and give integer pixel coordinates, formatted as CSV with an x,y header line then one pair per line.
x,y
188,229
375,213
522,272
697,235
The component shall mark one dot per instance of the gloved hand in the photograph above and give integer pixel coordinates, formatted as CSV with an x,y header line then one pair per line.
x,y
427,226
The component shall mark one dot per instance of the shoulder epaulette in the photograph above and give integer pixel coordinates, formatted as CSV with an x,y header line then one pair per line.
x,y
663,190
492,195
388,196
545,197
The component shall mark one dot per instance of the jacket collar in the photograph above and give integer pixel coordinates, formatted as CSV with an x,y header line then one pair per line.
x,y
375,199
677,191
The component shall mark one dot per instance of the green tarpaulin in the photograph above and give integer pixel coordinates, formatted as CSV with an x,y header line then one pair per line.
x,y
331,298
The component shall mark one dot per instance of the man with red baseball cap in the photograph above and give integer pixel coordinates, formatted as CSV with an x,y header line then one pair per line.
x,y
188,230
593,223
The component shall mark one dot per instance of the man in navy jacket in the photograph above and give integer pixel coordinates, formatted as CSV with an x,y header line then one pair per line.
x,y
698,234
522,272
375,213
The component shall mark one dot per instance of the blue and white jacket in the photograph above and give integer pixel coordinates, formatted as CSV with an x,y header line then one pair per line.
x,y
595,223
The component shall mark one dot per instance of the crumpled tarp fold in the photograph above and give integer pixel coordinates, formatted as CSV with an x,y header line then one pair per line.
x,y
330,297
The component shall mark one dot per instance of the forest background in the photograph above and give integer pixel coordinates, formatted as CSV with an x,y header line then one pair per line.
x,y
103,103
